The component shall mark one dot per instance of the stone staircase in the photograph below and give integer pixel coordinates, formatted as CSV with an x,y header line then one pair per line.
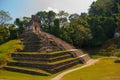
x,y
41,63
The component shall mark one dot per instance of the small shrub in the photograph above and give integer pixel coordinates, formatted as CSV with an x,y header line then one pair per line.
x,y
117,61
118,53
109,51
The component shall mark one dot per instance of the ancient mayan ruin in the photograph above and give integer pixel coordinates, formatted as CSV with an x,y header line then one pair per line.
x,y
44,53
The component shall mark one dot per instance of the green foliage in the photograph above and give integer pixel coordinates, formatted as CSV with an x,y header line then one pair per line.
x,y
43,15
102,29
110,48
21,24
62,14
56,30
109,51
117,61
73,16
8,32
78,32
13,32
102,8
3,34
103,20
4,17
118,53
117,16
47,20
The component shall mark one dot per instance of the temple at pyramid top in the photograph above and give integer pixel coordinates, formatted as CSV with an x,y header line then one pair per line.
x,y
34,25
36,40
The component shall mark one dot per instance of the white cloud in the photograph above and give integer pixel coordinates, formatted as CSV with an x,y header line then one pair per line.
x,y
52,9
33,6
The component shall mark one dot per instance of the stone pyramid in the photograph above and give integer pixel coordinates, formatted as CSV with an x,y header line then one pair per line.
x,y
44,53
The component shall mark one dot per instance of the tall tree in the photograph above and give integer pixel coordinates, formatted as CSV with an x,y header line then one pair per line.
x,y
51,18
73,16
63,14
4,17
3,34
47,19
43,15
102,7
78,31
102,20
63,18
21,24
12,31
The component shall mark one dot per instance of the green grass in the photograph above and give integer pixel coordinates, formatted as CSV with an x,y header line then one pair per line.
x,y
57,52
7,48
30,69
8,75
105,69
96,56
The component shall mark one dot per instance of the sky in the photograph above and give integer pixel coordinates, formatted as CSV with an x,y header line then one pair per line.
x,y
20,8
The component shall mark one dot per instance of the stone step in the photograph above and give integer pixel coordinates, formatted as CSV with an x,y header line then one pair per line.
x,y
63,67
32,71
39,55
63,44
54,59
38,71
31,48
84,58
81,59
36,42
31,39
42,65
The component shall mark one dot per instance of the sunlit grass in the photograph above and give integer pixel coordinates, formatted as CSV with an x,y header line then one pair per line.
x,y
8,75
105,69
7,48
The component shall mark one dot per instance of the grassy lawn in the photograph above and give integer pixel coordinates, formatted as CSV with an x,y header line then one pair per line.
x,y
8,75
8,48
105,69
